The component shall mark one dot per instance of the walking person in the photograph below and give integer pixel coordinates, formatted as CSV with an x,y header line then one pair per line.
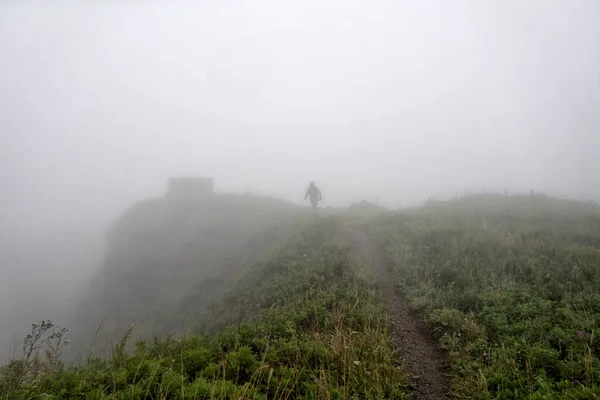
x,y
314,194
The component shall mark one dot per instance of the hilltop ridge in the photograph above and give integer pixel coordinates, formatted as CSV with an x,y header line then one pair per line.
x,y
168,254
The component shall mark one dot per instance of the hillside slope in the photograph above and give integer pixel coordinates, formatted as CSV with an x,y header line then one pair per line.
x,y
308,323
166,257
508,286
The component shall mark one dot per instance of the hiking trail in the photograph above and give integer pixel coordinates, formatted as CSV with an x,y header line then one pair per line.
x,y
418,352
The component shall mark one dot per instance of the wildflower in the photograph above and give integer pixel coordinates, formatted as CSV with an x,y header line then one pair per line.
x,y
576,382
581,334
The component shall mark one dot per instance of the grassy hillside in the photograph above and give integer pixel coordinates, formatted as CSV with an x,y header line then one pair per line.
x,y
511,286
167,259
306,324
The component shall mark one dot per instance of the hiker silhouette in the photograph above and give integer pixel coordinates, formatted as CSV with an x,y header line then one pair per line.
x,y
315,196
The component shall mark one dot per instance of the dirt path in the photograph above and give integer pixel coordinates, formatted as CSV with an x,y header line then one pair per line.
x,y
419,353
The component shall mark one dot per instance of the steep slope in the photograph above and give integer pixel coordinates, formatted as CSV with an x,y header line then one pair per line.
x,y
167,256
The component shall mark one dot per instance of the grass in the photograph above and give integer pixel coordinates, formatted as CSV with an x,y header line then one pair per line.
x,y
511,286
306,324
168,259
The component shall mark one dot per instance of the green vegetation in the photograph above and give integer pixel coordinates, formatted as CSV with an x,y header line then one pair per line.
x,y
307,324
511,286
168,259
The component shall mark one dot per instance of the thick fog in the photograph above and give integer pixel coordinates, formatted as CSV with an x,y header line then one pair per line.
x,y
389,101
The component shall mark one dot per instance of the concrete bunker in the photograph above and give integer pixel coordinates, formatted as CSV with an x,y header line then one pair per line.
x,y
189,188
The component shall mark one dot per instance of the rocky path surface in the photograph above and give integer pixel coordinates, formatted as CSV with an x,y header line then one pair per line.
x,y
420,355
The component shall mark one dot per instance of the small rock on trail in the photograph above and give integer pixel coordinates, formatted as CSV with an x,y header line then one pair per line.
x,y
419,353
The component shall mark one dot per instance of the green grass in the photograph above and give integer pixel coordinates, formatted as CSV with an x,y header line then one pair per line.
x,y
511,286
306,324
167,259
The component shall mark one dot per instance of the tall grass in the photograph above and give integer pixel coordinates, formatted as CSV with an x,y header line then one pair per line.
x,y
307,324
511,285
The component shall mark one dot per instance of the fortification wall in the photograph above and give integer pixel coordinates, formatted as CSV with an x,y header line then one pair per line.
x,y
189,188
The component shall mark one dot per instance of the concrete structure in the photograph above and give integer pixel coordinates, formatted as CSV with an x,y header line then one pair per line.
x,y
190,188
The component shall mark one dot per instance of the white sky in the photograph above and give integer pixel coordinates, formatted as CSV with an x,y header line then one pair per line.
x,y
395,100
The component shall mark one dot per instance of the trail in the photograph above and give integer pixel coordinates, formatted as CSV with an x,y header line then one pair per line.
x,y
419,353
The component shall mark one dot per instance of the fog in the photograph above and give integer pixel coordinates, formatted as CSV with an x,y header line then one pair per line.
x,y
390,101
